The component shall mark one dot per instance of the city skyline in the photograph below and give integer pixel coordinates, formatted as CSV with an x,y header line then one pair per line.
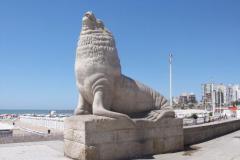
x,y
38,42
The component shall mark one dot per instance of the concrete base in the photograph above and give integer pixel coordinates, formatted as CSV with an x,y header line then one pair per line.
x,y
89,137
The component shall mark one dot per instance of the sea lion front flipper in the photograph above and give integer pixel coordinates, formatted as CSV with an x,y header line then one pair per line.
x,y
83,107
100,109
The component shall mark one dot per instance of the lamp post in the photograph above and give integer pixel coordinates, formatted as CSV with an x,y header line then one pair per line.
x,y
213,102
170,77
220,103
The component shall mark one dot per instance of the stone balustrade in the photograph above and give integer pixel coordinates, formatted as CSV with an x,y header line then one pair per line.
x,y
48,122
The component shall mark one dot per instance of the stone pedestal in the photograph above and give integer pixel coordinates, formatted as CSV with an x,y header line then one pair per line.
x,y
90,137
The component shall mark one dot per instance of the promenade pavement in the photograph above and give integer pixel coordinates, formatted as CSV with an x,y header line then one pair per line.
x,y
222,148
46,150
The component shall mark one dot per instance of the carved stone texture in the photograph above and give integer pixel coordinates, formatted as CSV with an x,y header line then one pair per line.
x,y
90,137
103,89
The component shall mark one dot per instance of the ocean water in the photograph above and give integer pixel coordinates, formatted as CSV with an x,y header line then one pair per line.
x,y
27,111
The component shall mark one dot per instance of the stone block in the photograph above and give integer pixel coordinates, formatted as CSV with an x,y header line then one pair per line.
x,y
79,151
90,137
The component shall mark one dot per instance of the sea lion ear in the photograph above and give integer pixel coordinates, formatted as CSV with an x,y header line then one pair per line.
x,y
100,24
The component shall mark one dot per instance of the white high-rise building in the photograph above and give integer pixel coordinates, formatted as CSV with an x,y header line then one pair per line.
x,y
218,95
233,93
229,94
236,92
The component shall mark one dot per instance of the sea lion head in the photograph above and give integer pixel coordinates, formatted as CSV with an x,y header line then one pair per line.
x,y
89,21
96,47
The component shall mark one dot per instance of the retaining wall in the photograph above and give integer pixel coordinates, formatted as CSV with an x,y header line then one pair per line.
x,y
204,132
29,138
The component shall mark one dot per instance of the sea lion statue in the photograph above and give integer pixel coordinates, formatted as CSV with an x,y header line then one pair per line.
x,y
103,89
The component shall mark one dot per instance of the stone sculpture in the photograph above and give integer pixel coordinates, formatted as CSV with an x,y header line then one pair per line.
x,y
123,118
103,89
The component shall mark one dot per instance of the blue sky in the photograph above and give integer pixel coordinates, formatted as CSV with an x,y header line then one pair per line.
x,y
38,41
